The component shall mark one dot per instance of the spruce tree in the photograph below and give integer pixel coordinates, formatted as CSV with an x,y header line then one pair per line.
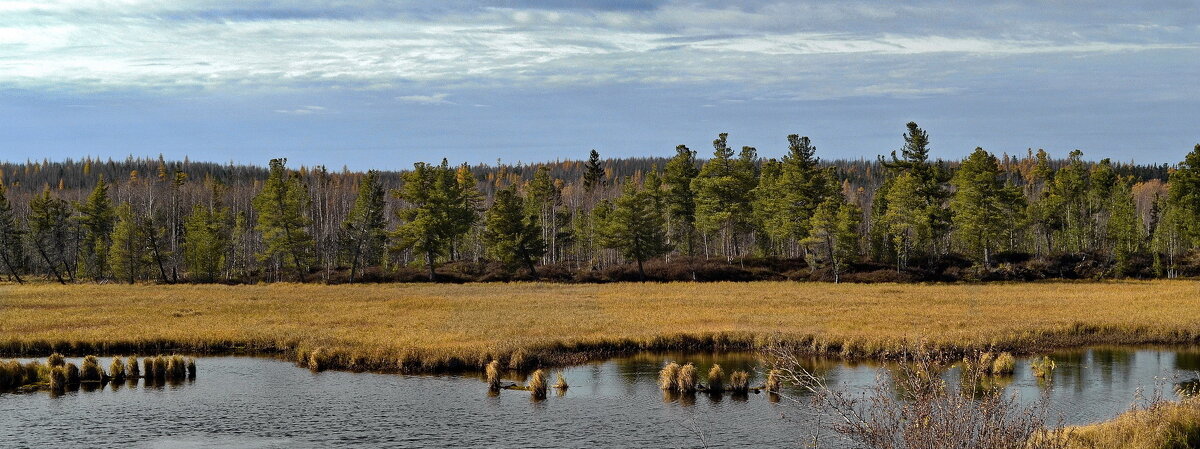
x,y
593,172
1123,228
981,205
12,253
680,199
511,234
205,243
929,181
127,256
439,209
905,223
365,229
282,220
96,221
723,193
1184,195
49,232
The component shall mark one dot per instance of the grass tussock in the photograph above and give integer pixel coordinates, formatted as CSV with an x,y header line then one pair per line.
x,y
131,367
56,359
72,375
668,377
1162,425
1043,367
440,327
716,378
688,379
561,383
773,382
1004,365
191,368
116,369
537,384
90,371
739,382
160,367
58,378
493,375
148,368
14,374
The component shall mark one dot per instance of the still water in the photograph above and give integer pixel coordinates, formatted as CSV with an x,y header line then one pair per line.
x,y
266,403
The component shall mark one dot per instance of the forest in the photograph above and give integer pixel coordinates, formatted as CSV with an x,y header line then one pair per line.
x,y
725,215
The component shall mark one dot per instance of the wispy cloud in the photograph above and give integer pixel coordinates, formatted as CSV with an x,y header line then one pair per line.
x,y
435,99
303,110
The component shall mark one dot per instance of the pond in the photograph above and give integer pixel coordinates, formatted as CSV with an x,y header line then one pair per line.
x,y
262,402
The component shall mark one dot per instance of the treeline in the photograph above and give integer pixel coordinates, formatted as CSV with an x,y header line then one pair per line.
x,y
734,215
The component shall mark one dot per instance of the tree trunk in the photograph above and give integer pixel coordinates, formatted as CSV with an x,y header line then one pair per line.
x,y
429,263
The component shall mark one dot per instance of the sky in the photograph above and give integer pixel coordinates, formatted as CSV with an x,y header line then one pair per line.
x,y
384,84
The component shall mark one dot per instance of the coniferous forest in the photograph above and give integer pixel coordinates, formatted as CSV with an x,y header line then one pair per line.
x,y
700,214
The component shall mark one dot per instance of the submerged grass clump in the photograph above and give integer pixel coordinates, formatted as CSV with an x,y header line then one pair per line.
x,y
72,375
716,378
493,375
561,383
191,368
537,384
668,377
739,382
773,381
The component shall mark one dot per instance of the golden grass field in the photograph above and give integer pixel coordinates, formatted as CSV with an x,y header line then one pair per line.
x,y
431,327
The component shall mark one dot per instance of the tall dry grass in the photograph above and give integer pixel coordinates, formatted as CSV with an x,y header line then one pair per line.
x,y
687,379
716,378
1161,425
433,327
668,377
493,375
537,384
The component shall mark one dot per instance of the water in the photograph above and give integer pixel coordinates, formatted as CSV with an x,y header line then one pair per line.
x,y
266,403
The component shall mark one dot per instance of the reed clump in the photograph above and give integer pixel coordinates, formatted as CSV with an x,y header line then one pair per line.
x,y
716,378
773,381
1043,367
160,367
56,359
1004,365
561,383
537,384
58,378
148,368
191,368
739,382
14,374
72,375
131,367
668,377
176,367
492,371
116,370
90,371
688,378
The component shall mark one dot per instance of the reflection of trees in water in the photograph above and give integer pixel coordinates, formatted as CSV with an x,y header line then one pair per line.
x,y
1187,360
1069,370
1113,364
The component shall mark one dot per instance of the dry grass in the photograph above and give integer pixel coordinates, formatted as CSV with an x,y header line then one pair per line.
x,y
716,378
131,367
1164,425
739,382
1043,367
90,370
687,378
116,369
433,327
561,383
1004,365
773,381
668,377
537,384
493,375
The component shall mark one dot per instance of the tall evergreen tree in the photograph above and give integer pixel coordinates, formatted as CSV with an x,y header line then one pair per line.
x,y
903,219
511,234
365,228
96,222
1124,228
280,209
206,242
127,257
681,199
929,181
982,205
593,172
723,193
1185,194
635,227
12,253
49,232
439,209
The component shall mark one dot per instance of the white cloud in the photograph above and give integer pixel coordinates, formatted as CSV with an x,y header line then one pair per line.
x,y
434,99
303,110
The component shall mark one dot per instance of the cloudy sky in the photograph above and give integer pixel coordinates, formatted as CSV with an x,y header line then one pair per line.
x,y
383,84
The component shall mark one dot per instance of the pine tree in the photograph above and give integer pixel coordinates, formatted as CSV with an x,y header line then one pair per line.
x,y
680,199
543,197
930,190
723,193
511,234
365,228
1184,195
282,220
803,186
634,227
981,205
96,221
439,210
1067,201
12,253
49,231
206,243
1124,228
127,256
904,221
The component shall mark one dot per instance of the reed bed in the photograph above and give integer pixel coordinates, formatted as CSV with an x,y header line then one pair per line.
x,y
442,327
537,384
